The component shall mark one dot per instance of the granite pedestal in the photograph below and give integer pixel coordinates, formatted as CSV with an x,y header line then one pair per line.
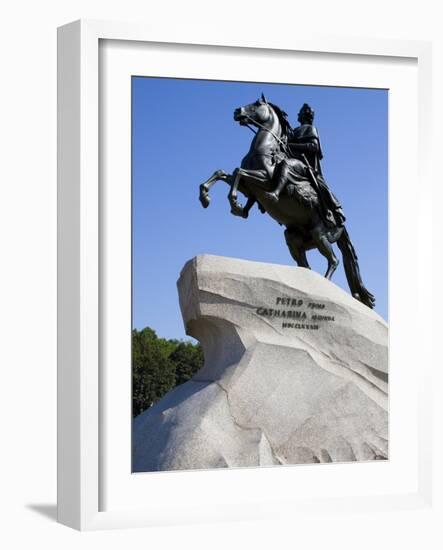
x,y
296,371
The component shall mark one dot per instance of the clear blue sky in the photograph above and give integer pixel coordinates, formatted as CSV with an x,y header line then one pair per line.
x,y
183,130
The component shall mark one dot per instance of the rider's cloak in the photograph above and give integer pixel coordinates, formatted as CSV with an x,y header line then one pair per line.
x,y
307,135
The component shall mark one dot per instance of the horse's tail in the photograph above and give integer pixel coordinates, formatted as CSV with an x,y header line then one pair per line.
x,y
352,271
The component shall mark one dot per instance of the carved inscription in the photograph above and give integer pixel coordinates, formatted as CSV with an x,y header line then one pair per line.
x,y
296,313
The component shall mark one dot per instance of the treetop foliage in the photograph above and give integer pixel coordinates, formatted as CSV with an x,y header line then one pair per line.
x,y
159,365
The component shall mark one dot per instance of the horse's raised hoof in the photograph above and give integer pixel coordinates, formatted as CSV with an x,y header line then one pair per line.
x,y
237,210
204,199
272,197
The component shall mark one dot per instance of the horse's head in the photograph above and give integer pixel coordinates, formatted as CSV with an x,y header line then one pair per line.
x,y
258,113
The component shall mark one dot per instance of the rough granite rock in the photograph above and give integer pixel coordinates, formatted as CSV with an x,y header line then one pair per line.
x,y
315,390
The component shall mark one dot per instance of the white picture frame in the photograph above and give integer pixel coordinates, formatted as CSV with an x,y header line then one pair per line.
x,y
83,397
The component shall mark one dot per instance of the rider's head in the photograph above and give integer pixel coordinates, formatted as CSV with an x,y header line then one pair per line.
x,y
306,114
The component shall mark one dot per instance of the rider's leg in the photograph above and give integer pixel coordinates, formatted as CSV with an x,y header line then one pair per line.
x,y
296,248
294,165
281,179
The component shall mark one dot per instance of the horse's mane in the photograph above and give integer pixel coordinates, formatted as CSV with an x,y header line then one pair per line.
x,y
283,118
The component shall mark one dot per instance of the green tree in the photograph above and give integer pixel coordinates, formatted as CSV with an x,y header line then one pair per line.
x,y
153,373
188,359
158,365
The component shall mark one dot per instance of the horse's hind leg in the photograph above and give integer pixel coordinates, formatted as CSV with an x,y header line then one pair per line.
x,y
325,248
296,248
206,186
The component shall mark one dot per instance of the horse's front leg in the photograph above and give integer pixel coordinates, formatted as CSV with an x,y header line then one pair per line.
x,y
206,186
249,204
236,208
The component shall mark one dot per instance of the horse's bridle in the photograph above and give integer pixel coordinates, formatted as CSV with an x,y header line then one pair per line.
x,y
279,140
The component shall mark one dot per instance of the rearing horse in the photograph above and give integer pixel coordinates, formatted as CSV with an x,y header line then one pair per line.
x,y
305,227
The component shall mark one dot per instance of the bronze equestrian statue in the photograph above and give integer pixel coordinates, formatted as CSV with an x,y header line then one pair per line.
x,y
282,174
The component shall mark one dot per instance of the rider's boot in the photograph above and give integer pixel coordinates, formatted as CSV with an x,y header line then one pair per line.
x,y
282,179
